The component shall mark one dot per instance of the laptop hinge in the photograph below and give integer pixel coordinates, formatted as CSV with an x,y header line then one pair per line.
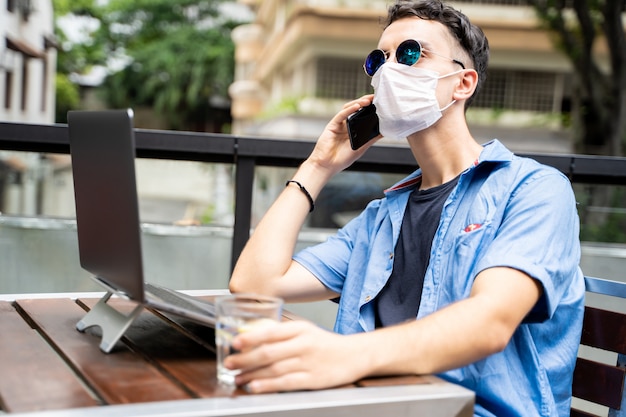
x,y
119,292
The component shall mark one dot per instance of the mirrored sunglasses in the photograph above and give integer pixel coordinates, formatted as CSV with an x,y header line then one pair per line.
x,y
407,53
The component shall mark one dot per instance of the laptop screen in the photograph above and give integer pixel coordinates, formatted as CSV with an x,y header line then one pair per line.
x,y
102,148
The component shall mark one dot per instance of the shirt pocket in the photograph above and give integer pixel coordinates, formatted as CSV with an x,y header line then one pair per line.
x,y
471,238
475,228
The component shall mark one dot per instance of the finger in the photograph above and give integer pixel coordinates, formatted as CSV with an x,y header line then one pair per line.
x,y
267,334
365,100
353,106
291,381
254,337
288,382
264,355
273,370
347,110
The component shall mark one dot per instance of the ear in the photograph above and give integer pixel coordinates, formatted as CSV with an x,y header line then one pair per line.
x,y
467,84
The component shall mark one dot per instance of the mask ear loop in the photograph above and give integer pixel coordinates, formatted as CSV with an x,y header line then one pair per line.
x,y
448,75
447,106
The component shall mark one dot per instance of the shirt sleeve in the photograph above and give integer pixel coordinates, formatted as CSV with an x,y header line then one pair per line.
x,y
330,260
539,235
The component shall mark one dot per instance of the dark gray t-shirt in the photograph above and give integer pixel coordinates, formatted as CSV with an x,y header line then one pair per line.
x,y
399,300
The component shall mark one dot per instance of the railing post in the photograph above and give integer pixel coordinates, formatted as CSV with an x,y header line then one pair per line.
x,y
244,180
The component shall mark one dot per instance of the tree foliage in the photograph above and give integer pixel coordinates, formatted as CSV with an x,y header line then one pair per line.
x,y
581,28
72,58
67,97
175,56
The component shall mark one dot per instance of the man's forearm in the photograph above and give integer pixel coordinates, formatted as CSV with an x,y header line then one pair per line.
x,y
460,333
300,355
445,340
267,254
265,264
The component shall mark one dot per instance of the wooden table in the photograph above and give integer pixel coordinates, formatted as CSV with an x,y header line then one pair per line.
x,y
166,367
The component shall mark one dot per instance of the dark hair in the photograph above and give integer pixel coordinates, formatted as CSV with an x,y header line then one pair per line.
x,y
469,36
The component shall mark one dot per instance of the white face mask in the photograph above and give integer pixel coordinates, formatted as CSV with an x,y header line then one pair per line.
x,y
405,99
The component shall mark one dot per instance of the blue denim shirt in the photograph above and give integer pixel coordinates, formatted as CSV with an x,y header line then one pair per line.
x,y
506,211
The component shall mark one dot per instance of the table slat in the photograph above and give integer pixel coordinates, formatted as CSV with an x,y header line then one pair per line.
x,y
33,377
119,377
167,345
160,358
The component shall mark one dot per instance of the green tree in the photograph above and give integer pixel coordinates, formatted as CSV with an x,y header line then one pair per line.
x,y
73,58
599,99
181,58
177,57
67,97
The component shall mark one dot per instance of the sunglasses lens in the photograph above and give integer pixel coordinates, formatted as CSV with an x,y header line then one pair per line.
x,y
374,61
408,52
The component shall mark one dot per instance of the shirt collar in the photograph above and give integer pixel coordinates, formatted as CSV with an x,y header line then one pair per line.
x,y
493,151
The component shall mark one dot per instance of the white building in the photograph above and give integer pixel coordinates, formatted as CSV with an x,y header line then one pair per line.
x,y
27,92
300,60
27,61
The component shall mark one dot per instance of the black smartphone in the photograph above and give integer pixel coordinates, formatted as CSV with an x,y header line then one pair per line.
x,y
362,126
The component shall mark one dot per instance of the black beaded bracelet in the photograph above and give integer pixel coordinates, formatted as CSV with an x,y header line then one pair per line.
x,y
306,193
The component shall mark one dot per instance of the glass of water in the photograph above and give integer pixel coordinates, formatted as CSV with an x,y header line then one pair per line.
x,y
235,314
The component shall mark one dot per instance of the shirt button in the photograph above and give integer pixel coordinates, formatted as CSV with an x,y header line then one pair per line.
x,y
391,255
368,298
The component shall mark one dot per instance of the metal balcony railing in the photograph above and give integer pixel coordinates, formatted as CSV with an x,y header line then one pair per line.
x,y
246,153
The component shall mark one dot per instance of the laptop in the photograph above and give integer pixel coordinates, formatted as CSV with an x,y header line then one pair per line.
x,y
102,148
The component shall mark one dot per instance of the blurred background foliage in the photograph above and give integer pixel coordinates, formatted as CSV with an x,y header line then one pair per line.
x,y
599,100
175,57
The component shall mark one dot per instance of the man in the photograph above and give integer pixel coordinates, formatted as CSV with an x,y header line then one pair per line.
x,y
467,269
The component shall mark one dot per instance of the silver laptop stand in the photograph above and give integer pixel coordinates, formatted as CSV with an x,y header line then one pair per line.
x,y
112,323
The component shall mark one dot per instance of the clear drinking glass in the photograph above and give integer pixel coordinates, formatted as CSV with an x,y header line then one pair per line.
x,y
237,313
